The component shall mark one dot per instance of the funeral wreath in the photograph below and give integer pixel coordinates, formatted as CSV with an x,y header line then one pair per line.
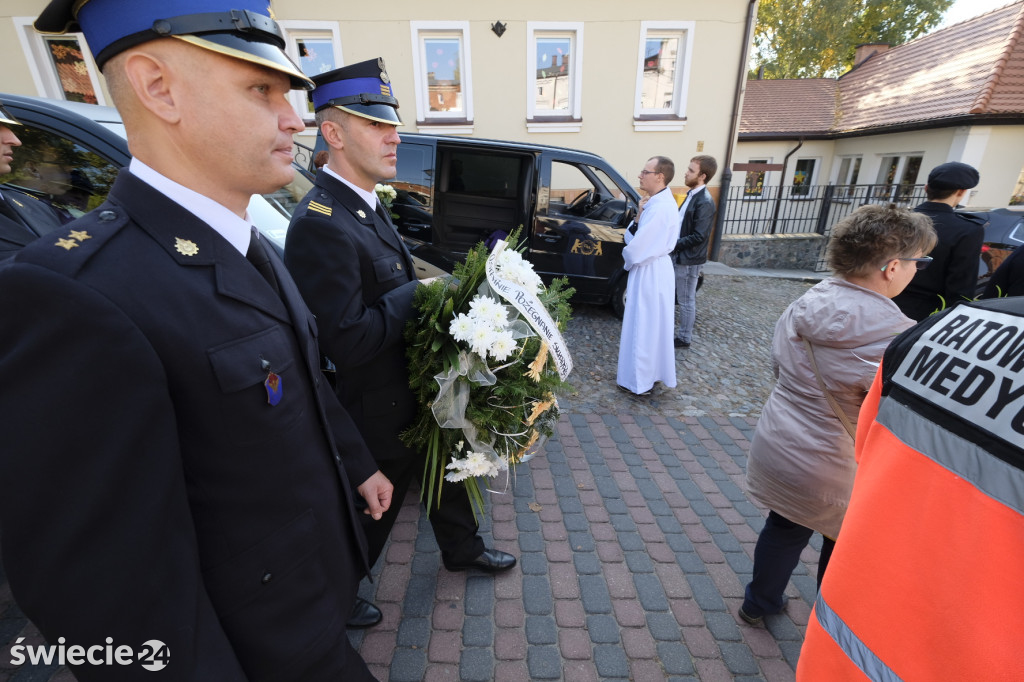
x,y
486,358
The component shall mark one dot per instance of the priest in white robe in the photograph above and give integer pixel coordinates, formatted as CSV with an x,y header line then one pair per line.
x,y
646,351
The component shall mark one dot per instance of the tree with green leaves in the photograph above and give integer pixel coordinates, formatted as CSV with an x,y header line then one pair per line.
x,y
818,38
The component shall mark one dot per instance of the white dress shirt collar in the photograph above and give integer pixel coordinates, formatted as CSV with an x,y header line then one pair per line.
x,y
236,230
369,197
689,195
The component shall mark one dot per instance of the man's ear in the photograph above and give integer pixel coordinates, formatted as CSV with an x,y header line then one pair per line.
x,y
331,132
151,78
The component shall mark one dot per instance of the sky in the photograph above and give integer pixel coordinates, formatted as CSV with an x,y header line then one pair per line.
x,y
966,9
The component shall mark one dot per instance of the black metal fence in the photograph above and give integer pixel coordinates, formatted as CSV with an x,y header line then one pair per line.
x,y
806,209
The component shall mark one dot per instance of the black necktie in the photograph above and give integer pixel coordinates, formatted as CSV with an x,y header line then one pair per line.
x,y
257,255
382,212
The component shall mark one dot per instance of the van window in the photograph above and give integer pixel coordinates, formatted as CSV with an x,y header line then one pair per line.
x,y
483,175
59,171
413,177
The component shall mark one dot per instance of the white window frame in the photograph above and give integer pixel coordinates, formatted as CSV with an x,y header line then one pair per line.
x,y
41,66
535,122
294,30
442,122
852,158
674,118
767,179
811,181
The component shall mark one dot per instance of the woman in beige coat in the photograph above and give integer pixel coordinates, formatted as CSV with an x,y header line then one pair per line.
x,y
801,464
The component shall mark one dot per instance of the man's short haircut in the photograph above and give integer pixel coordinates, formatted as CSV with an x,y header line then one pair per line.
x,y
873,235
708,166
332,114
664,165
938,194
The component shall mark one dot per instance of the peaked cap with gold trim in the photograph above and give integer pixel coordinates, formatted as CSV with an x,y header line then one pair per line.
x,y
362,89
242,29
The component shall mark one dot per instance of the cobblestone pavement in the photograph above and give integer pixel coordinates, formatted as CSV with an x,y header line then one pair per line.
x,y
634,536
727,370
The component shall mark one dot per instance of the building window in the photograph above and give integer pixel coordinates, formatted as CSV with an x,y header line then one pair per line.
x,y
316,48
441,62
803,177
663,75
62,66
897,176
846,179
753,184
554,65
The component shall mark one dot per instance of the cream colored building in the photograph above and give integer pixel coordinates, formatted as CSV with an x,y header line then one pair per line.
x,y
620,80
956,94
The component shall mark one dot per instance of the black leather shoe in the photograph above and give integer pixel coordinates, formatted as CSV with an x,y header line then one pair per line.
x,y
491,560
758,620
679,343
364,615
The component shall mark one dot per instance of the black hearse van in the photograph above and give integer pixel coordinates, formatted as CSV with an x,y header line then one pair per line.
x,y
573,207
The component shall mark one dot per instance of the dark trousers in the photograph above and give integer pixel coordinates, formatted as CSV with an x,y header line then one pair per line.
x,y
454,525
776,554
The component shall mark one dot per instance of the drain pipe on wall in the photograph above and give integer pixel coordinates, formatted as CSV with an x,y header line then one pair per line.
x,y
737,103
782,184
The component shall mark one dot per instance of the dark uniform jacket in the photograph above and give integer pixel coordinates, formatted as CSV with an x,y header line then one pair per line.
x,y
31,218
148,490
694,230
357,277
953,274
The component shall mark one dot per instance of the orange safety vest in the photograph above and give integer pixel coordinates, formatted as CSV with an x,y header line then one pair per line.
x,y
927,578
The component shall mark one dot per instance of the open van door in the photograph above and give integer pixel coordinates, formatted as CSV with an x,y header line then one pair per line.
x,y
582,214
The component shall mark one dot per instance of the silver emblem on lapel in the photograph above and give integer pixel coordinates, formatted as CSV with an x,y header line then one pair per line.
x,y
360,213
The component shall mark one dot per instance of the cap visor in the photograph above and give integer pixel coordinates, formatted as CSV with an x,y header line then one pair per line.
x,y
375,112
254,51
5,117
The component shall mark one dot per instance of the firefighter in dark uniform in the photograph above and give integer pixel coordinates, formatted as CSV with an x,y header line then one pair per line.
x,y
357,277
952,277
22,217
176,474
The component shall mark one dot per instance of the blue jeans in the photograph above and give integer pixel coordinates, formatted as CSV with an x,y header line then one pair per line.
x,y
686,298
776,554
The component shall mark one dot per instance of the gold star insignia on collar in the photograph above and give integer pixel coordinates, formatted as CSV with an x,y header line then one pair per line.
x,y
66,243
80,235
360,213
185,247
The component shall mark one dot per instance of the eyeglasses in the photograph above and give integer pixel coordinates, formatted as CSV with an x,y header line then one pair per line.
x,y
647,172
921,263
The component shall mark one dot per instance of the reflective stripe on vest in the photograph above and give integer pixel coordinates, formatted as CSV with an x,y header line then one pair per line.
x,y
858,652
993,477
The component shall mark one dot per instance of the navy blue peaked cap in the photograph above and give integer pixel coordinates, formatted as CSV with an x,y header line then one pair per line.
x,y
362,89
243,29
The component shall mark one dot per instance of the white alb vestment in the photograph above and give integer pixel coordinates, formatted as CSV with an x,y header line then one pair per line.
x,y
646,351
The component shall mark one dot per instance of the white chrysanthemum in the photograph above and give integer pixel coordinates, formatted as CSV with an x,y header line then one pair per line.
x,y
481,339
459,472
502,346
485,309
508,258
461,327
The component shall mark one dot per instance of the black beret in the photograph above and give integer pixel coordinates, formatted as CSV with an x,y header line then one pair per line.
x,y
953,175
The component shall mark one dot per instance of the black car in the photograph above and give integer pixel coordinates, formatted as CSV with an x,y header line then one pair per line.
x,y
71,153
1004,232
